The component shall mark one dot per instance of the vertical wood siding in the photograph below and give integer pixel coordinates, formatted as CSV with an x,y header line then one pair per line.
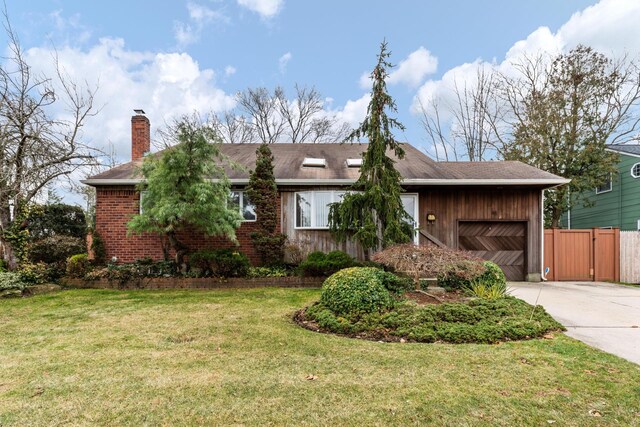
x,y
630,256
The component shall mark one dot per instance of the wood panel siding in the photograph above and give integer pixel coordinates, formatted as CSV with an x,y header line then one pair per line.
x,y
309,240
453,206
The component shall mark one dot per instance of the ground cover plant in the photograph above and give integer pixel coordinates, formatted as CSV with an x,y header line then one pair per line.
x,y
234,357
369,303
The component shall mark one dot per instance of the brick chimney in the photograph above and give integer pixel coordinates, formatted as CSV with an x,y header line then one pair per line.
x,y
140,135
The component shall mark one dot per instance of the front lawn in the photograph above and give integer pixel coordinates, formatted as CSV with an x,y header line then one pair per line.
x,y
236,357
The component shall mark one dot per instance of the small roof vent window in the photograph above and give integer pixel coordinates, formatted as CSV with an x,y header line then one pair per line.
x,y
354,163
314,162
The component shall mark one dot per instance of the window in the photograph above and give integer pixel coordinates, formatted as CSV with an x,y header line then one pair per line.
x,y
605,187
639,225
247,210
635,170
142,194
312,208
410,204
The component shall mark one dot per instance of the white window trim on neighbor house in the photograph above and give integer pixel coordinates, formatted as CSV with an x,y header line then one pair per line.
x,y
635,170
610,186
334,196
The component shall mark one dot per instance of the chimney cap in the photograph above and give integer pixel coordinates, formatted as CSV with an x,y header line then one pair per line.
x,y
139,111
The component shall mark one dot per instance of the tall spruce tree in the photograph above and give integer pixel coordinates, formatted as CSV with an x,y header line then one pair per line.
x,y
263,193
371,213
186,188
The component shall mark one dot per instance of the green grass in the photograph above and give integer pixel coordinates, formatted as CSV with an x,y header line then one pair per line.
x,y
90,357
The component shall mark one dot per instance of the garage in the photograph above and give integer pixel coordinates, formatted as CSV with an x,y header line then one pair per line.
x,y
501,242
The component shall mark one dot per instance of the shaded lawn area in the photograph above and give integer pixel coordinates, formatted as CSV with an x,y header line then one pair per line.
x,y
236,357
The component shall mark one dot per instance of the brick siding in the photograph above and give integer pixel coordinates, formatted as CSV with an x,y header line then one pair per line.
x,y
115,205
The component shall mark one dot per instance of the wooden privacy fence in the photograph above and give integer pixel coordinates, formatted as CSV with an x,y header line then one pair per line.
x,y
591,254
630,256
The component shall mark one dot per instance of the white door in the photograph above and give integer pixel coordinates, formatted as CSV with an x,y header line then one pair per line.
x,y
410,204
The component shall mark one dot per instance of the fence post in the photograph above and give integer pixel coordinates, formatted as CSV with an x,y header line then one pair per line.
x,y
616,254
595,234
556,235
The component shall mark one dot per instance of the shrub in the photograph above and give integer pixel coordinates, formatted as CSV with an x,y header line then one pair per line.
x,y
11,285
3,265
56,249
396,285
98,248
221,262
267,272
492,284
270,247
10,281
38,273
354,291
77,265
478,321
426,261
144,267
321,264
461,274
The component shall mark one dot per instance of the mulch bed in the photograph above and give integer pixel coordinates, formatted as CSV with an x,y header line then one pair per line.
x,y
422,298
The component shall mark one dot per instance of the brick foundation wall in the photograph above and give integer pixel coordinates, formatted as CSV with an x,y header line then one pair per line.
x,y
115,205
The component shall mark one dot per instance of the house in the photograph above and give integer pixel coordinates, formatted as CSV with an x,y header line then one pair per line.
x,y
616,203
493,209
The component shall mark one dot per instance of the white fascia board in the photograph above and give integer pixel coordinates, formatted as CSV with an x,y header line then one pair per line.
x,y
622,153
348,181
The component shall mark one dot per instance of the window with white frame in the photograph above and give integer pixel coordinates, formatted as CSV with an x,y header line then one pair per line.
x,y
410,205
247,209
312,207
639,225
635,170
605,187
142,195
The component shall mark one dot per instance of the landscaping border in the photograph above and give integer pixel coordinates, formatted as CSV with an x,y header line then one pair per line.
x,y
155,283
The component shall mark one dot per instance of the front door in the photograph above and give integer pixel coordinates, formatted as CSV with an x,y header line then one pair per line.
x,y
410,204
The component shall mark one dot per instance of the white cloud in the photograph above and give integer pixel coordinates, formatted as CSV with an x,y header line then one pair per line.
x,y
411,71
354,112
229,70
165,85
284,61
199,17
265,8
609,26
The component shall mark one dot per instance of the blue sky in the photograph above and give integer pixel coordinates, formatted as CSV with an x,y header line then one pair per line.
x,y
171,57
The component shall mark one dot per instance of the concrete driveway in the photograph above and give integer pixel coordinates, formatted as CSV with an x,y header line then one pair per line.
x,y
603,315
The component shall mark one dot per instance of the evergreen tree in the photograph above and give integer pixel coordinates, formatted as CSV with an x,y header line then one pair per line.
x,y
263,193
372,212
185,189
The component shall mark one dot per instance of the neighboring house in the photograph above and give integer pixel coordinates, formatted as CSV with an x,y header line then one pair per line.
x,y
491,208
615,203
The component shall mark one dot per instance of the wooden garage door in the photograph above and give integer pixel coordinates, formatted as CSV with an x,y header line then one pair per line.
x,y
501,242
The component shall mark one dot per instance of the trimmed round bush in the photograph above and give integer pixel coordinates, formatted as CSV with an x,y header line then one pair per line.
x,y
354,291
493,275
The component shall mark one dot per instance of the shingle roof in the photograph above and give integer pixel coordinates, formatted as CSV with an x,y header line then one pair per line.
x,y
633,149
416,168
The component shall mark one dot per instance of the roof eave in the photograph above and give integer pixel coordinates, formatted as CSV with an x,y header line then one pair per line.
x,y
550,182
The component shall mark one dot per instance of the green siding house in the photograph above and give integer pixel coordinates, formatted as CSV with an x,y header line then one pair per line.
x,y
616,203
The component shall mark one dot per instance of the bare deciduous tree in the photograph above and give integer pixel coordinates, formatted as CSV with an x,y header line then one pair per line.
x,y
272,117
35,147
469,132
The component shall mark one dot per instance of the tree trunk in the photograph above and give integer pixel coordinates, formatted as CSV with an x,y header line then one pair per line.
x,y
179,248
6,249
556,214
